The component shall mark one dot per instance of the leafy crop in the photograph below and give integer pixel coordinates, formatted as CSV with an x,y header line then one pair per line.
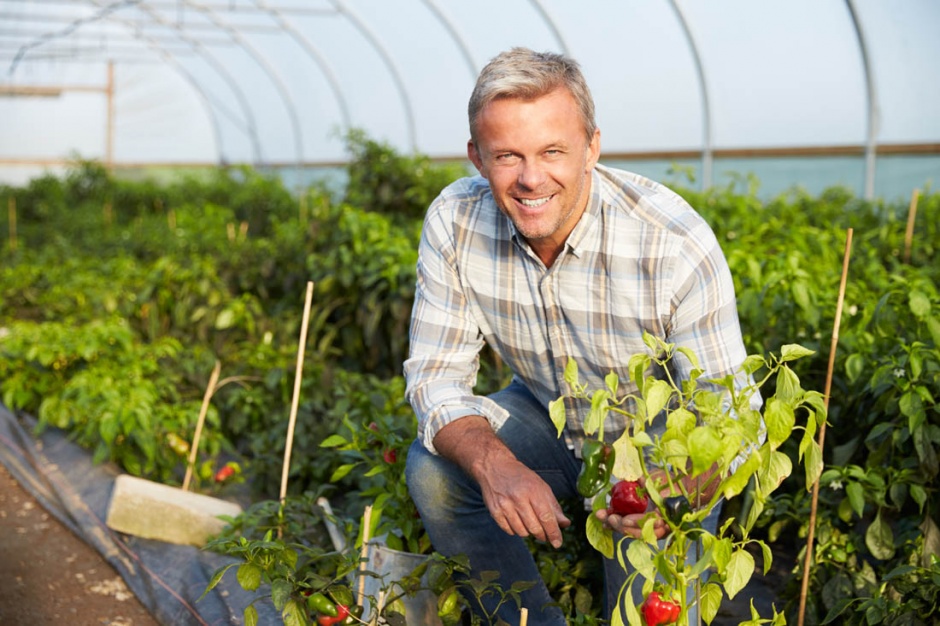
x,y
121,294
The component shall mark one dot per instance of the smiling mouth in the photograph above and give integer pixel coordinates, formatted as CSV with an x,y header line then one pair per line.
x,y
534,202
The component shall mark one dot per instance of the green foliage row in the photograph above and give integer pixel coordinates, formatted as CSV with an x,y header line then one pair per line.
x,y
119,296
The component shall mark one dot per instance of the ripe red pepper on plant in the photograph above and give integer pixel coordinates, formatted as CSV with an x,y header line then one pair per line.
x,y
657,611
224,473
390,455
627,498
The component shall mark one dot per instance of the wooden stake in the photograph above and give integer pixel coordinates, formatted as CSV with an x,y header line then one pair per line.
x,y
524,617
11,216
807,563
364,553
210,389
909,233
298,376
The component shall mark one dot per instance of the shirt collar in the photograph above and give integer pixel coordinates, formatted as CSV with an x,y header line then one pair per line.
x,y
588,219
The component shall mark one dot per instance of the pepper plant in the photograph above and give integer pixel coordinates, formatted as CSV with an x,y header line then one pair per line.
x,y
708,423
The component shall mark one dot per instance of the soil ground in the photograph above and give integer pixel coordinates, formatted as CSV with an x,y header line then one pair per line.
x,y
50,576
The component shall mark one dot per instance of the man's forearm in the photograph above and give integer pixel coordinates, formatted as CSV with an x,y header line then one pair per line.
x,y
471,443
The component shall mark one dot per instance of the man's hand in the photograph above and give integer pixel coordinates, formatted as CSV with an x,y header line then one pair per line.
x,y
701,489
518,499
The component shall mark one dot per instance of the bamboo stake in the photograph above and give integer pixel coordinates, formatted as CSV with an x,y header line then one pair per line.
x,y
364,553
11,215
822,428
210,389
524,617
909,233
296,399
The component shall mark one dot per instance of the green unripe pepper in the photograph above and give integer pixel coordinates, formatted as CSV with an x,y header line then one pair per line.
x,y
320,604
597,462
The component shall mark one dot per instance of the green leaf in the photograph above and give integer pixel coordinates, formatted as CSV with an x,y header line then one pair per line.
x,y
911,404
880,539
768,556
740,570
856,496
690,355
556,410
251,615
779,418
753,363
813,463
640,557
919,303
249,576
711,601
933,327
595,419
627,463
340,472
216,577
788,385
612,381
294,614
280,593
793,351
225,319
778,468
599,537
735,484
705,448
571,373
854,367
333,441
637,365
657,395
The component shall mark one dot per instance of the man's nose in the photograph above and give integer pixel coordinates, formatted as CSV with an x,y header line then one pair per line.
x,y
531,174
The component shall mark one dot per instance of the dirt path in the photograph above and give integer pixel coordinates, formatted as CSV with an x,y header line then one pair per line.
x,y
50,576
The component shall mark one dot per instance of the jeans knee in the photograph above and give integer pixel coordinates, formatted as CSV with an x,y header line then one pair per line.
x,y
434,484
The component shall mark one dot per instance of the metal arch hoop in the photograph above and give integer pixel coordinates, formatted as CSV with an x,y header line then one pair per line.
x,y
386,58
556,32
455,35
168,58
707,148
871,139
316,56
266,67
222,72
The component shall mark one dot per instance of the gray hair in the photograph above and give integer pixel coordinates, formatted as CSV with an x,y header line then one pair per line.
x,y
522,73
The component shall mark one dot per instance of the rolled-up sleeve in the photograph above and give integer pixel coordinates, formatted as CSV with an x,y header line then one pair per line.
x,y
445,340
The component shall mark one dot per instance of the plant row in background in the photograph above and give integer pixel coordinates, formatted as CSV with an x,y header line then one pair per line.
x,y
118,296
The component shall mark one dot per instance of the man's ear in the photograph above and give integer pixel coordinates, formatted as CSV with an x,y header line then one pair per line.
x,y
594,149
475,157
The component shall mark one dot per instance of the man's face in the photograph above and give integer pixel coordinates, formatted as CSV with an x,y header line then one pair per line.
x,y
536,157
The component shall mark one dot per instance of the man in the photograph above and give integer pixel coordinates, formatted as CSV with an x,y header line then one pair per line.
x,y
544,256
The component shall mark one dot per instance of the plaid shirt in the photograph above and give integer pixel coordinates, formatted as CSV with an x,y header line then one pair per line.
x,y
639,259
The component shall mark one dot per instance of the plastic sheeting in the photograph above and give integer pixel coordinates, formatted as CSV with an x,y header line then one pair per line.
x,y
168,579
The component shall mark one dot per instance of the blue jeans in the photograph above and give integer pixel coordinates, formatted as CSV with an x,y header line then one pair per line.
x,y
458,522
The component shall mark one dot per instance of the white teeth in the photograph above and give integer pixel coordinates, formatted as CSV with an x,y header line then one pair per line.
x,y
534,203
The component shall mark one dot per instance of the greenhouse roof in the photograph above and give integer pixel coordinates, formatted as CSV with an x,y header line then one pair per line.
x,y
279,82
